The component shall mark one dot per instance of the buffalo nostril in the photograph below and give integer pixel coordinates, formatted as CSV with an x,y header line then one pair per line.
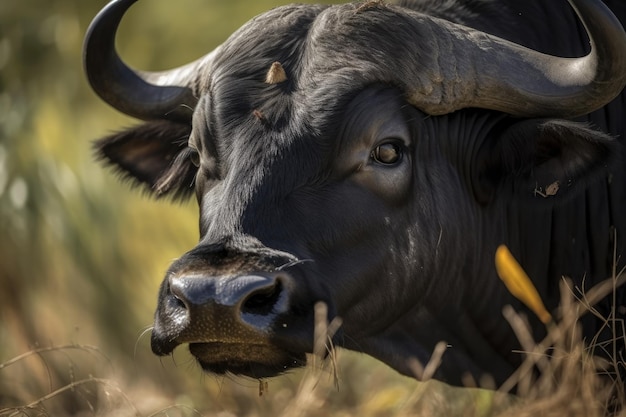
x,y
263,300
177,302
176,299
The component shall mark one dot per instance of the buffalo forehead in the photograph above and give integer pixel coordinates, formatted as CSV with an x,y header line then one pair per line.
x,y
328,50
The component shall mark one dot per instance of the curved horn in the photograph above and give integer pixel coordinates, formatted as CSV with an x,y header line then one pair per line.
x,y
145,95
479,70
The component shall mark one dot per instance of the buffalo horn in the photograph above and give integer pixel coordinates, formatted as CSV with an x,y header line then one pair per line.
x,y
479,70
144,95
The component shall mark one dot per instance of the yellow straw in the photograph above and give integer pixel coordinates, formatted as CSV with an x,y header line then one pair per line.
x,y
519,284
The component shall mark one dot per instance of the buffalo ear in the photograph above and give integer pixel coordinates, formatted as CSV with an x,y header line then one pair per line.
x,y
540,160
154,154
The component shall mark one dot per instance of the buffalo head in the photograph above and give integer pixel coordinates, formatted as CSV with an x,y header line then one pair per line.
x,y
357,155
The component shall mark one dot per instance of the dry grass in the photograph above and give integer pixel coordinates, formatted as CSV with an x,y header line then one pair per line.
x,y
572,381
80,380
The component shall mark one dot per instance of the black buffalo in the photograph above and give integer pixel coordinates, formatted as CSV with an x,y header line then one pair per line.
x,y
373,157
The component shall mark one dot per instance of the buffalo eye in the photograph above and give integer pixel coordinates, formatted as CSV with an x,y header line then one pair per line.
x,y
194,157
387,153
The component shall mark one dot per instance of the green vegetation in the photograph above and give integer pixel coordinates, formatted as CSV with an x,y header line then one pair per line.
x,y
82,255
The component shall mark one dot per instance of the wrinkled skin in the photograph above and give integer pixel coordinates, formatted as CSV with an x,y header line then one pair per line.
x,y
344,193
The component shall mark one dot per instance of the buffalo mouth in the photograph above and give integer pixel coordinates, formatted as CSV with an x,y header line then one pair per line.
x,y
255,361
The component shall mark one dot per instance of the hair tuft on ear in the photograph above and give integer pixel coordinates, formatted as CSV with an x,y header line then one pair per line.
x,y
178,180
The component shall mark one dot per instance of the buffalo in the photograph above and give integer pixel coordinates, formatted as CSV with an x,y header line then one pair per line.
x,y
372,157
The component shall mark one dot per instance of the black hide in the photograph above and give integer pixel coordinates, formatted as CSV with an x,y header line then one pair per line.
x,y
329,186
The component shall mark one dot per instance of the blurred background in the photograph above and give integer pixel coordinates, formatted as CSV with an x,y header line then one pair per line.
x,y
82,254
